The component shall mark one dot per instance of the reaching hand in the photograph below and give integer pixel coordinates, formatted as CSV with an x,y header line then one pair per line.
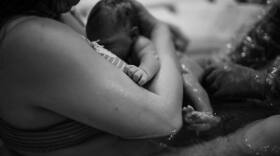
x,y
230,81
199,121
138,75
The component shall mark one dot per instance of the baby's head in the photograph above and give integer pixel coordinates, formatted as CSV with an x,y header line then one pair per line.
x,y
114,24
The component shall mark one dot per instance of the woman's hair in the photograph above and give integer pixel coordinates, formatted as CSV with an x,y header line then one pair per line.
x,y
11,8
45,8
121,12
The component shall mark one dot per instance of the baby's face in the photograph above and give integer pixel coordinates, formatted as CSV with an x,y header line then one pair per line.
x,y
116,39
113,34
119,43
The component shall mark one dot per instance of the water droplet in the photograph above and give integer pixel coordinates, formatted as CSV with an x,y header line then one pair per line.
x,y
229,46
195,90
172,135
249,39
226,68
184,68
243,54
163,145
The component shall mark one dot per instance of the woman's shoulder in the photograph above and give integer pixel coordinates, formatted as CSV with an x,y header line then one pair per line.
x,y
36,42
31,28
36,35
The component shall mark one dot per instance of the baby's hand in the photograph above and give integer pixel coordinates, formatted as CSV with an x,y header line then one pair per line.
x,y
137,74
199,121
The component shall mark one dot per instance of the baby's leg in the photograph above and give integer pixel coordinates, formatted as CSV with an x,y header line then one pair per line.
x,y
192,72
194,91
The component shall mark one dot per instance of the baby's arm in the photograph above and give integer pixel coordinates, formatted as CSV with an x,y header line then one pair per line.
x,y
146,53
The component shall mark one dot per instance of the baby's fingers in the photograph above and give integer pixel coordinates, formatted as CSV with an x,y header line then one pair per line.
x,y
137,76
131,69
143,80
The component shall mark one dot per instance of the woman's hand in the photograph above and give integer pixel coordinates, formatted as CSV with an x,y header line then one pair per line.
x,y
230,81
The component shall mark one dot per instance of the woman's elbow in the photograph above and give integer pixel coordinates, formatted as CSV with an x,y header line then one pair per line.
x,y
173,123
169,122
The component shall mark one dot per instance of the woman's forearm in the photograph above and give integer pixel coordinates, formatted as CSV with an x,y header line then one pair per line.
x,y
168,82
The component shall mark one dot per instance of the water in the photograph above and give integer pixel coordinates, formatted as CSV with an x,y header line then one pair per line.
x,y
263,150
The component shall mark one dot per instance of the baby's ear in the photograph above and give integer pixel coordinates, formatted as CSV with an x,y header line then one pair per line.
x,y
134,32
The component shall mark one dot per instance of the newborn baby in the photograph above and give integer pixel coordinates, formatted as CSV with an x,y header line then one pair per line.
x,y
113,24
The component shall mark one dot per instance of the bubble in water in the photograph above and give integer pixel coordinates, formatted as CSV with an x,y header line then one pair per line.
x,y
266,37
243,54
195,90
249,39
229,46
172,135
184,68
269,1
226,68
163,145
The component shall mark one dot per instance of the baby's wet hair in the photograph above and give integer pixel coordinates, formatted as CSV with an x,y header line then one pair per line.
x,y
120,12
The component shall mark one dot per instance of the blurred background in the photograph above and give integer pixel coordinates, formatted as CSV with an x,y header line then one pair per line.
x,y
211,25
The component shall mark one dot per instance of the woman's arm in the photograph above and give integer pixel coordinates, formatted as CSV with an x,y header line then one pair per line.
x,y
60,72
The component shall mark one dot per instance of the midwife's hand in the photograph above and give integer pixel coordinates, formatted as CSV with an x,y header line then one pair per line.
x,y
232,81
199,121
138,75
